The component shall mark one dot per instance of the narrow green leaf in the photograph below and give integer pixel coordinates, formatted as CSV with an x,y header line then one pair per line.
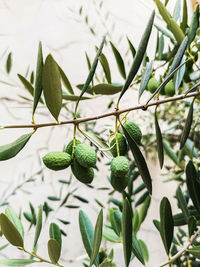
x,y
193,185
142,198
55,233
52,198
115,220
106,89
88,61
193,88
10,231
87,232
9,63
172,25
194,26
74,97
110,235
140,161
144,209
12,216
105,65
139,55
166,224
159,142
187,127
136,221
137,250
66,81
145,78
38,227
127,231
82,199
11,150
53,250
192,225
97,237
38,79
157,224
91,72
28,216
178,77
177,10
16,262
182,203
132,48
165,32
144,250
28,86
119,61
52,86
33,213
195,251
184,16
160,47
170,152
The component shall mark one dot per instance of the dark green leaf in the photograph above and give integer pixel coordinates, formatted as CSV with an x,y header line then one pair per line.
x,y
142,198
132,48
194,26
139,55
28,86
187,127
184,16
106,89
10,231
28,216
52,86
55,233
140,161
97,237
16,262
119,61
157,224
137,250
91,72
74,97
195,251
82,199
87,232
166,224
144,209
160,47
12,216
193,184
52,198
139,189
144,249
170,152
192,224
127,231
182,203
159,142
66,82
136,221
9,63
172,25
115,220
33,213
38,226
145,78
11,150
38,79
53,250
104,63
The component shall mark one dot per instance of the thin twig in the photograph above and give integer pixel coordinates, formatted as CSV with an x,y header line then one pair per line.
x,y
114,113
175,257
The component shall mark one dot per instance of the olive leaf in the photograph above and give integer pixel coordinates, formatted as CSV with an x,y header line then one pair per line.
x,y
12,216
105,65
194,26
38,227
74,97
187,127
16,262
119,60
145,78
10,231
144,249
177,10
115,220
9,63
170,152
192,225
182,203
66,81
136,249
55,233
139,55
139,160
52,86
11,150
53,250
190,90
193,184
127,231
166,224
172,25
107,89
132,48
165,32
38,80
159,142
184,16
28,86
195,251
97,237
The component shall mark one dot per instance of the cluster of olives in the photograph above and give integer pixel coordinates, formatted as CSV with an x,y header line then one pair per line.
x,y
84,159
81,164
168,90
